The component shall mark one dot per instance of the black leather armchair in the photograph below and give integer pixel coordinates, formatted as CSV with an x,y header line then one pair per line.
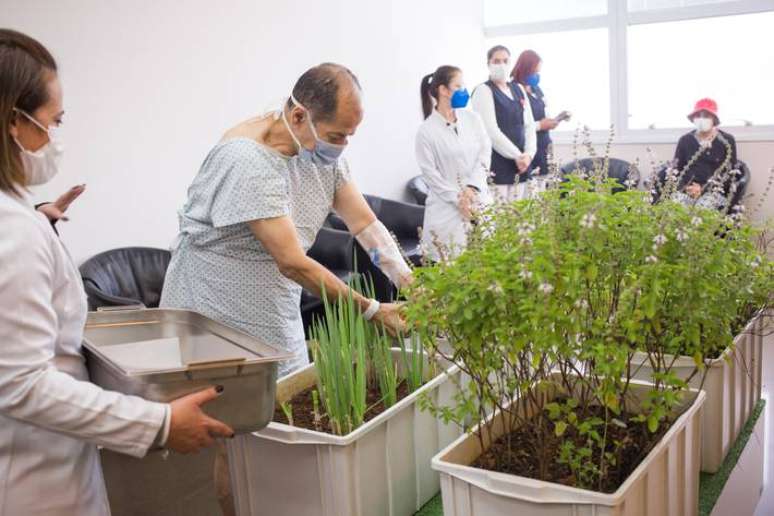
x,y
626,174
417,188
126,276
335,250
402,219
742,181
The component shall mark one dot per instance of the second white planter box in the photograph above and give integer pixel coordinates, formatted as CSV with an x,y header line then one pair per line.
x,y
380,469
666,483
733,387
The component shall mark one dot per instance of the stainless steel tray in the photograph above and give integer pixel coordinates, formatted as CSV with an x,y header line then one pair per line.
x,y
162,354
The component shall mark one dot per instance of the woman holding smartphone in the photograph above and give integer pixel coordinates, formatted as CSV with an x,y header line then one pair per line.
x,y
527,74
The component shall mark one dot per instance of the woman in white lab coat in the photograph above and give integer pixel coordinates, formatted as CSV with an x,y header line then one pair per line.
x,y
51,417
453,151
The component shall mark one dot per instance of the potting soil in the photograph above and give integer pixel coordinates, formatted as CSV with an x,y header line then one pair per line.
x,y
629,446
302,407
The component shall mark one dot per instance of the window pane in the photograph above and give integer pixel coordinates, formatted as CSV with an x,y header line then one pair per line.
x,y
574,74
652,5
507,12
672,65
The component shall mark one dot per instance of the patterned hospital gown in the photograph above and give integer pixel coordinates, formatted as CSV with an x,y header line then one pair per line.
x,y
220,269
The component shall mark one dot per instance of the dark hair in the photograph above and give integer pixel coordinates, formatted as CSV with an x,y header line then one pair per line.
x,y
25,68
494,49
318,89
526,65
430,84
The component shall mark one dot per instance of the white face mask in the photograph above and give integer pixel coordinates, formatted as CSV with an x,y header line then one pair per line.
x,y
499,71
703,124
43,164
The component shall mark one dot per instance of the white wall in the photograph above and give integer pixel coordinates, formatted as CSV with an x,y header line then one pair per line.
x,y
150,86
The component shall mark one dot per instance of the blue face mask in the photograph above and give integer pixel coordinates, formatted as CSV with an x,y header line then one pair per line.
x,y
533,80
460,98
324,153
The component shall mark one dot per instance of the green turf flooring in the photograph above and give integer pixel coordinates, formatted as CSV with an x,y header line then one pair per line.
x,y
710,485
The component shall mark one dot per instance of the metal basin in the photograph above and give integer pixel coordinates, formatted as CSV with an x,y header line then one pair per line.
x,y
162,354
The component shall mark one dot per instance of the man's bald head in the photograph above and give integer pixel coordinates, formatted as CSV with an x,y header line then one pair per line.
x,y
321,89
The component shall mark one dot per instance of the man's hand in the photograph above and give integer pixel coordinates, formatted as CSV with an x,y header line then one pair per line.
x,y
693,190
389,317
56,210
522,163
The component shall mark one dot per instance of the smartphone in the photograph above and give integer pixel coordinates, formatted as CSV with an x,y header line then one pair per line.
x,y
564,115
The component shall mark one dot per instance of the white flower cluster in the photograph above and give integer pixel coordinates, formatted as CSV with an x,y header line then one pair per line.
x,y
546,288
588,221
496,288
581,304
524,229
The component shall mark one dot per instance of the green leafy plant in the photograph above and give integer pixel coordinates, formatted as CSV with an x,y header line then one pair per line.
x,y
559,293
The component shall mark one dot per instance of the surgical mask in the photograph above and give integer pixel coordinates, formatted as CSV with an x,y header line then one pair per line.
x,y
41,165
324,153
460,98
499,71
533,80
703,124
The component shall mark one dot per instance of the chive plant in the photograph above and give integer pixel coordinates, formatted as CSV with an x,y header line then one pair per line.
x,y
339,351
413,361
353,356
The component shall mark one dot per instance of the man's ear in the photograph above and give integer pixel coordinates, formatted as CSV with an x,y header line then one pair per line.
x,y
297,115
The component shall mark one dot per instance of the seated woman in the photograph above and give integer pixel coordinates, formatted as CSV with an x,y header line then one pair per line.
x,y
702,154
453,151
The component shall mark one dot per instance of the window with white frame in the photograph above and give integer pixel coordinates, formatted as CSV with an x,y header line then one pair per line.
x,y
573,77
641,64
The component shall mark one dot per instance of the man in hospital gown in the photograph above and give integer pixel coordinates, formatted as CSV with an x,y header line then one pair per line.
x,y
255,207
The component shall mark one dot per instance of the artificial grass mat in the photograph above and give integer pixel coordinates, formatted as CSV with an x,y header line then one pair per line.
x,y
710,485
432,508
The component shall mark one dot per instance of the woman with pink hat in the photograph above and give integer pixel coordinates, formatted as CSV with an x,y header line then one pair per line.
x,y
703,153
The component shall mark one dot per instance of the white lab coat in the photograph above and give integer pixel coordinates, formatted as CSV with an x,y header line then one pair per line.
x,y
51,417
451,157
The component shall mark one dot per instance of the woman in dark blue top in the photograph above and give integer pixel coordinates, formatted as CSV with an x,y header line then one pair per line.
x,y
527,73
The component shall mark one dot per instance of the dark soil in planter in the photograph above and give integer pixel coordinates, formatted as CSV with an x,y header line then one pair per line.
x,y
526,445
302,406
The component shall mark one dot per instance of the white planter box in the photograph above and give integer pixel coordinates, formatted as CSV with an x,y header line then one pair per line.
x,y
733,386
380,469
666,483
